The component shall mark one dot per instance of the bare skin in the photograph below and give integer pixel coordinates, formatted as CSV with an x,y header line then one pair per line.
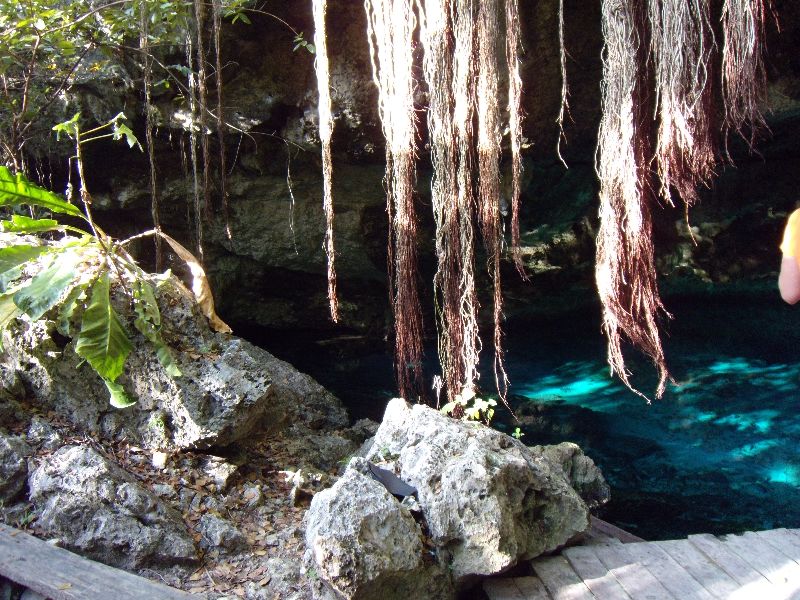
x,y
789,280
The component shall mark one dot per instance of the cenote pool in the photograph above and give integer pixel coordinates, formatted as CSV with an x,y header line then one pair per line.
x,y
719,453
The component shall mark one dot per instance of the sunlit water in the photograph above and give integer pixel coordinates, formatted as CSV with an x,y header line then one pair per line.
x,y
719,453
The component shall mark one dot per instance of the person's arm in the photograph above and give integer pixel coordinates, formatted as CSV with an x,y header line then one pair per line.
x,y
789,280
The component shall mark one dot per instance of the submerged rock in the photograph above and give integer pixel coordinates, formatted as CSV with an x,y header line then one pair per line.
x,y
100,511
485,501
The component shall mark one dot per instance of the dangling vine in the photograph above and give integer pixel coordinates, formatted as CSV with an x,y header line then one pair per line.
x,y
686,147
325,133
390,28
216,24
489,153
625,271
744,78
202,96
513,50
147,84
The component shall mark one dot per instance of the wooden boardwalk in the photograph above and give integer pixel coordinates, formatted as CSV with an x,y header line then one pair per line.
x,y
61,575
763,565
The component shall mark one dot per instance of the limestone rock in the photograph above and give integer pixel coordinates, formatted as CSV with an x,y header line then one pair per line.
x,y
13,466
43,435
487,499
220,533
363,544
580,470
285,580
228,390
102,512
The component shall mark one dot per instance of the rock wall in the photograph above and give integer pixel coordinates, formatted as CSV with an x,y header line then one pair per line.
x,y
271,273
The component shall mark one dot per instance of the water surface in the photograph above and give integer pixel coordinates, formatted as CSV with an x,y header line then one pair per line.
x,y
719,453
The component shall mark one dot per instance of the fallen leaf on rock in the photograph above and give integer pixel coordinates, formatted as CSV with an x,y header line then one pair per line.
x,y
64,586
265,581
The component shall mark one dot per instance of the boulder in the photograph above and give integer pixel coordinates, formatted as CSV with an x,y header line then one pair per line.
x,y
229,387
13,467
488,500
363,544
483,502
580,470
100,511
221,534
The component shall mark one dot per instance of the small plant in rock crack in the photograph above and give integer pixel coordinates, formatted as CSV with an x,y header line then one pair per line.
x,y
467,406
71,279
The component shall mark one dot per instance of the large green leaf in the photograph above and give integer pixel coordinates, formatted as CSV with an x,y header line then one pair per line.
x,y
118,397
11,256
13,260
45,289
74,299
23,224
148,322
102,340
8,311
15,189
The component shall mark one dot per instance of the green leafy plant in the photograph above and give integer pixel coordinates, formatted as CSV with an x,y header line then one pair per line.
x,y
517,434
468,407
301,42
76,277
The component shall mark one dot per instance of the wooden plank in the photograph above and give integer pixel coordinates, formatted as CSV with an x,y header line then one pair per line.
x,y
600,528
560,580
532,588
61,575
638,582
595,574
699,566
740,571
775,566
502,589
783,541
672,576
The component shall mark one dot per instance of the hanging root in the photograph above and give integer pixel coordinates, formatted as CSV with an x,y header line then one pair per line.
x,y
489,152
462,16
390,27
217,16
436,38
147,59
325,133
513,49
564,107
202,96
683,48
193,92
625,271
744,79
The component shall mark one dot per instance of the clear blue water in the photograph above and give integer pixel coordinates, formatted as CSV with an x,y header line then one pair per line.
x,y
719,453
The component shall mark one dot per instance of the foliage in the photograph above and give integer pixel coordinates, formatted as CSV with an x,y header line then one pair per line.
x,y
469,407
300,41
76,278
73,278
45,47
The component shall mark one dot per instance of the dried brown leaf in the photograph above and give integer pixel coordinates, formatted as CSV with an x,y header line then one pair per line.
x,y
200,285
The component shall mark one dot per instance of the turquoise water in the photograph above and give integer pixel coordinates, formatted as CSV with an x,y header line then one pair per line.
x,y
719,453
